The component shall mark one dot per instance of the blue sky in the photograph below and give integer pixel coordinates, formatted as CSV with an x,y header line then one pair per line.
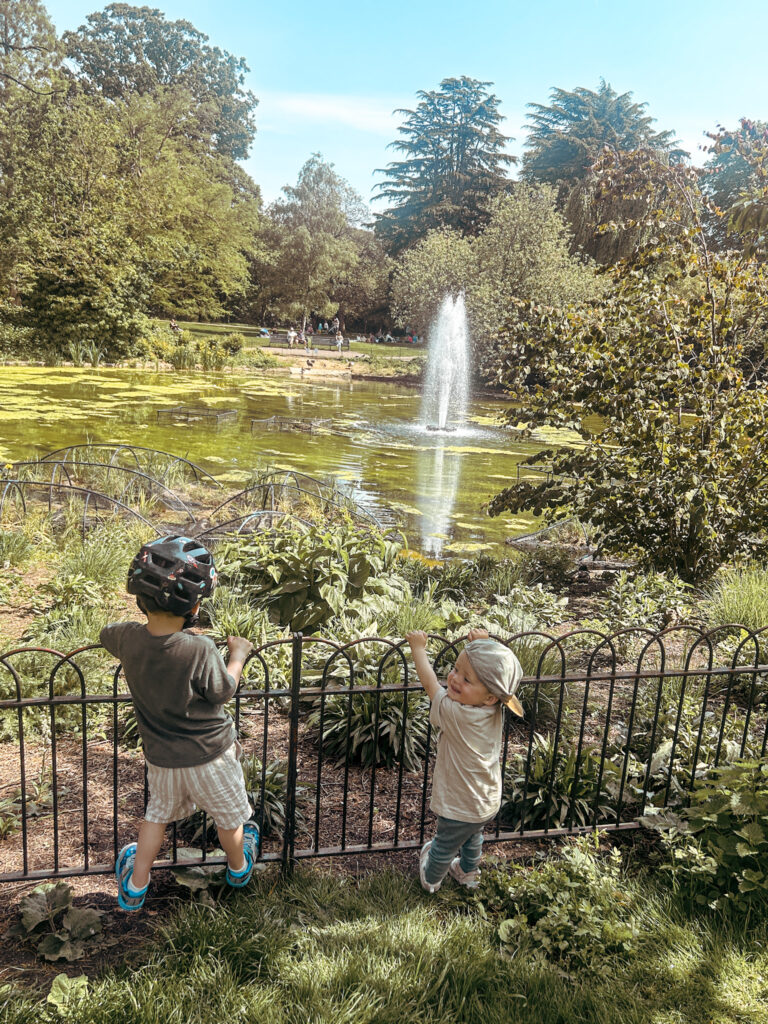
x,y
329,73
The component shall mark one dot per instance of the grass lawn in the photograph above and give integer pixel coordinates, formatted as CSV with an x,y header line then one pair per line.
x,y
251,334
324,949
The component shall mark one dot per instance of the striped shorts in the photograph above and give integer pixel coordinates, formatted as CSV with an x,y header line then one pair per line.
x,y
217,787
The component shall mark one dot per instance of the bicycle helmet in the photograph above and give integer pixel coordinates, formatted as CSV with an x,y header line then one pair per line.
x,y
176,572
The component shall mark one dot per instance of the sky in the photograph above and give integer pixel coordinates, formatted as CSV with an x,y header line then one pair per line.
x,y
329,74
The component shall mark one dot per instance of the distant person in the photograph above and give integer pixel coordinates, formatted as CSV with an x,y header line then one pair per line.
x,y
466,783
339,341
415,339
175,327
179,685
371,338
292,336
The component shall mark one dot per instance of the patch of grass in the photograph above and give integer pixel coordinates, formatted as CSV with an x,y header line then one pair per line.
x,y
738,595
331,950
15,547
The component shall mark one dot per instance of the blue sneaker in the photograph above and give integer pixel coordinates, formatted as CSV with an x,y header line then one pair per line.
x,y
239,879
128,897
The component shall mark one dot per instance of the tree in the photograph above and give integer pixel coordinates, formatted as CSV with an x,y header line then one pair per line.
x,y
315,223
30,59
195,215
568,137
522,253
437,264
655,378
454,164
569,134
30,54
125,50
83,277
362,290
738,183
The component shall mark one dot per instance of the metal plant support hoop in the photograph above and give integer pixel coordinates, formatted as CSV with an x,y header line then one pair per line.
x,y
173,501
132,449
62,491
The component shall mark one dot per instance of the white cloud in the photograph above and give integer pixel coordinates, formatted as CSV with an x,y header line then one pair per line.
x,y
281,111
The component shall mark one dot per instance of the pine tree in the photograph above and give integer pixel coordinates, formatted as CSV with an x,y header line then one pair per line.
x,y
570,134
454,164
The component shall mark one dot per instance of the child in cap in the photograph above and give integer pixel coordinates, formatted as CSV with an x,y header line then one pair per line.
x,y
466,784
179,684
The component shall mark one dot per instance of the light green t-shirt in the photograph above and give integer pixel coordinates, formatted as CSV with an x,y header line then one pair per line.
x,y
466,784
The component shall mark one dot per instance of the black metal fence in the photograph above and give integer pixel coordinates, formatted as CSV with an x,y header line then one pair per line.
x,y
339,750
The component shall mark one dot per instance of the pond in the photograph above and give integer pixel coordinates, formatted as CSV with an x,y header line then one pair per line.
x,y
433,485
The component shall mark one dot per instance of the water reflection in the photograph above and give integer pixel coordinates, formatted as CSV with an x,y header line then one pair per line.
x,y
438,475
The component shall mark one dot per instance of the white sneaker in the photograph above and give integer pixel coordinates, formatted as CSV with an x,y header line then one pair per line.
x,y
467,878
428,886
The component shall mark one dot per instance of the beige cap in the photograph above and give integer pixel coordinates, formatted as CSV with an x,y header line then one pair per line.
x,y
498,669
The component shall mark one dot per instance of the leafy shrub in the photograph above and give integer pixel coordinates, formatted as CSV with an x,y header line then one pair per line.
x,y
572,915
258,358
462,579
233,343
575,798
719,849
182,356
229,612
56,929
304,579
402,613
651,600
210,356
269,811
368,728
550,564
72,589
527,608
662,756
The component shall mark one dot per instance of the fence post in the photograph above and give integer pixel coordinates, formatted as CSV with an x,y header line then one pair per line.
x,y
289,838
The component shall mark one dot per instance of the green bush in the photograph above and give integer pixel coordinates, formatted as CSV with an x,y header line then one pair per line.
x,y
462,579
258,358
719,848
269,803
305,579
556,795
572,915
233,343
368,728
550,564
228,612
647,599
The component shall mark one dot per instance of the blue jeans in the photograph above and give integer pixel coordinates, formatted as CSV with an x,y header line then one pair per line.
x,y
452,837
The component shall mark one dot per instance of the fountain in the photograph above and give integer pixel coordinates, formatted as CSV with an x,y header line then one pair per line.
x,y
446,390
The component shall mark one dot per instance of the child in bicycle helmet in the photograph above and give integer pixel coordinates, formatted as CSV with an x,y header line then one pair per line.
x,y
179,684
